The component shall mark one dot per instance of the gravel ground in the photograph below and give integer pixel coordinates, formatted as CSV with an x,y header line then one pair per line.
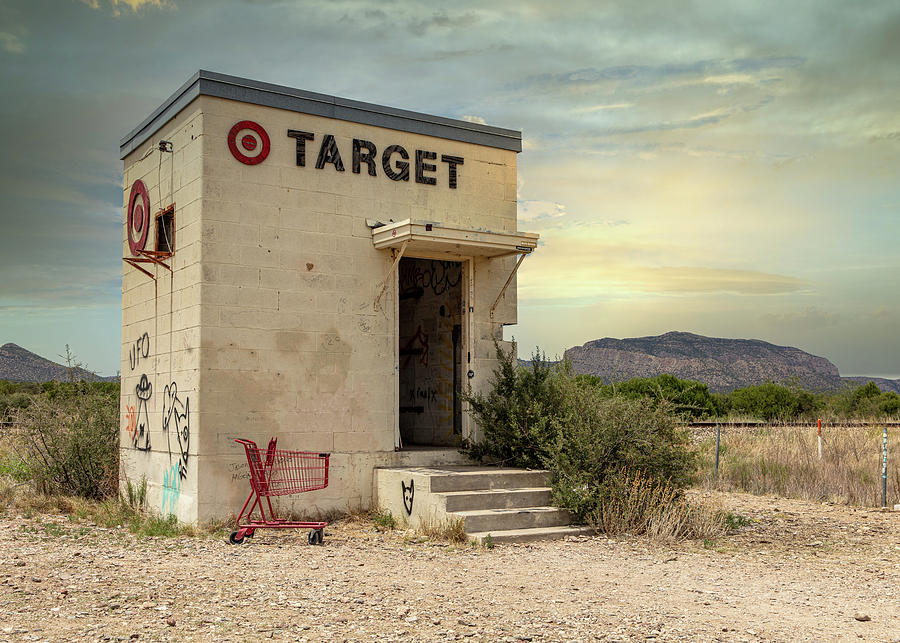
x,y
799,572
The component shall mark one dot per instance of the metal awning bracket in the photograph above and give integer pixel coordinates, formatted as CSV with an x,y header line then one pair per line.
x,y
396,254
508,281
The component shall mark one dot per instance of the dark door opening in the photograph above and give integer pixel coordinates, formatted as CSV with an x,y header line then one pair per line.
x,y
430,351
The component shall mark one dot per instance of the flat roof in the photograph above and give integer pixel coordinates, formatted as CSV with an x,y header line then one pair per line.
x,y
209,83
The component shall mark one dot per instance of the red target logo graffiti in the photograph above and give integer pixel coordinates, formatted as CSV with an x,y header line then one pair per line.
x,y
253,145
138,217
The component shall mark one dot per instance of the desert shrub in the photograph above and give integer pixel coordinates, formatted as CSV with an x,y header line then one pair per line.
x,y
598,437
517,414
70,440
768,402
587,436
687,398
639,505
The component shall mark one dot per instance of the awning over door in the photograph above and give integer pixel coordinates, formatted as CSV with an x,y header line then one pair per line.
x,y
433,239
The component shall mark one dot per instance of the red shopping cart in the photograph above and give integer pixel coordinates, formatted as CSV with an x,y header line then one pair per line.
x,y
278,472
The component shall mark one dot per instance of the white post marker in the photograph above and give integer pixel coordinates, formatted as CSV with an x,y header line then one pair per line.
x,y
819,432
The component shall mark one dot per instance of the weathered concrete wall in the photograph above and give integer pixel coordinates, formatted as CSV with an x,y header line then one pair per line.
x,y
161,326
275,281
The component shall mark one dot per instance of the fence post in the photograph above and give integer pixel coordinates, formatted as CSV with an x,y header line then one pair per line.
x,y
819,432
718,432
884,466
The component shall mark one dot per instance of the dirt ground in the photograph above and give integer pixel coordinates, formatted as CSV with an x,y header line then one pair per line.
x,y
799,572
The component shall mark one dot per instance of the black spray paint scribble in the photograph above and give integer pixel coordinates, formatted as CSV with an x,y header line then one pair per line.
x,y
408,493
176,414
139,350
143,391
438,276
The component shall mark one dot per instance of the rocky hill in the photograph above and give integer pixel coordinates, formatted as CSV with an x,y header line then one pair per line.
x,y
20,365
881,382
723,364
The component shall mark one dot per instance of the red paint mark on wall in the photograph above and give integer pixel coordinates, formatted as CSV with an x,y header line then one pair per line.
x,y
131,422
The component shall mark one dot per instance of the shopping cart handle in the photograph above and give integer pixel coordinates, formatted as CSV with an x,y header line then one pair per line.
x,y
324,455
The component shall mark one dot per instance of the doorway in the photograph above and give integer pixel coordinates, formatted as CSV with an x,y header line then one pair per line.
x,y
430,350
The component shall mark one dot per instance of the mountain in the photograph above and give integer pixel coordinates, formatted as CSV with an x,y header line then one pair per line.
x,y
881,382
20,365
723,364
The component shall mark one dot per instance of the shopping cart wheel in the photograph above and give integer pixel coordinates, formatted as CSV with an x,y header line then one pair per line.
x,y
315,537
235,538
250,533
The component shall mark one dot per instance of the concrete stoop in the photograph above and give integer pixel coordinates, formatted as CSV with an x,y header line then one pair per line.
x,y
509,505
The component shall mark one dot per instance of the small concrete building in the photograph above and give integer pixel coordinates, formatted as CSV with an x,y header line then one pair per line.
x,y
318,269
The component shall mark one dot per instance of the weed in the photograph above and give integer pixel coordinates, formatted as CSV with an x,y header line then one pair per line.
x,y
450,530
639,505
488,542
735,521
384,520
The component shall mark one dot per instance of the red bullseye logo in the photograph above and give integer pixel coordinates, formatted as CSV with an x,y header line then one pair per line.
x,y
138,217
253,145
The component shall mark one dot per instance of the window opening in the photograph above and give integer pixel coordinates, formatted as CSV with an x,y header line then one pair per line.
x,y
165,230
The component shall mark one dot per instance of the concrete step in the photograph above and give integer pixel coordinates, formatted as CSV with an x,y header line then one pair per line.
x,y
495,498
531,535
480,479
515,518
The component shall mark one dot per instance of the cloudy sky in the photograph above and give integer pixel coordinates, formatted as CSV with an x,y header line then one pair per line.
x,y
725,168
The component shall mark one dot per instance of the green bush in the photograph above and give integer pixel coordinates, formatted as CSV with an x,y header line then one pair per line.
x,y
689,399
517,414
598,437
768,402
71,439
543,416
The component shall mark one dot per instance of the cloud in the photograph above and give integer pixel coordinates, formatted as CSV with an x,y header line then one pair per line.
x,y
11,43
701,70
809,317
441,20
531,211
597,108
134,5
475,119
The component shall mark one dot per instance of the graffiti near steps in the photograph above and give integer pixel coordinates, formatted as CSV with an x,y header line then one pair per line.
x,y
408,494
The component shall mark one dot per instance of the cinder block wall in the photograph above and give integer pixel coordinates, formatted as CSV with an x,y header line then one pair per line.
x,y
161,326
275,328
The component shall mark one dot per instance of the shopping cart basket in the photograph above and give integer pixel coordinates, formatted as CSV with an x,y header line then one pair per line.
x,y
277,472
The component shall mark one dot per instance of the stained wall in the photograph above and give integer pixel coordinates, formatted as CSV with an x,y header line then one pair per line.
x,y
273,329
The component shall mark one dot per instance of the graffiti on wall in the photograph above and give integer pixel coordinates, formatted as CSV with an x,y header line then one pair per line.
x,y
176,416
139,350
171,489
131,422
435,276
417,346
408,493
140,437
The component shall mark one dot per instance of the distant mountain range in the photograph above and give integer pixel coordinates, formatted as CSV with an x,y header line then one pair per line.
x,y
723,364
20,365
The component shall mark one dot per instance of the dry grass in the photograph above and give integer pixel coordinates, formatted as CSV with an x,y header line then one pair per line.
x,y
451,530
784,461
643,506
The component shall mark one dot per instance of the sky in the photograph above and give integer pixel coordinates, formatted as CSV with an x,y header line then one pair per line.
x,y
728,168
